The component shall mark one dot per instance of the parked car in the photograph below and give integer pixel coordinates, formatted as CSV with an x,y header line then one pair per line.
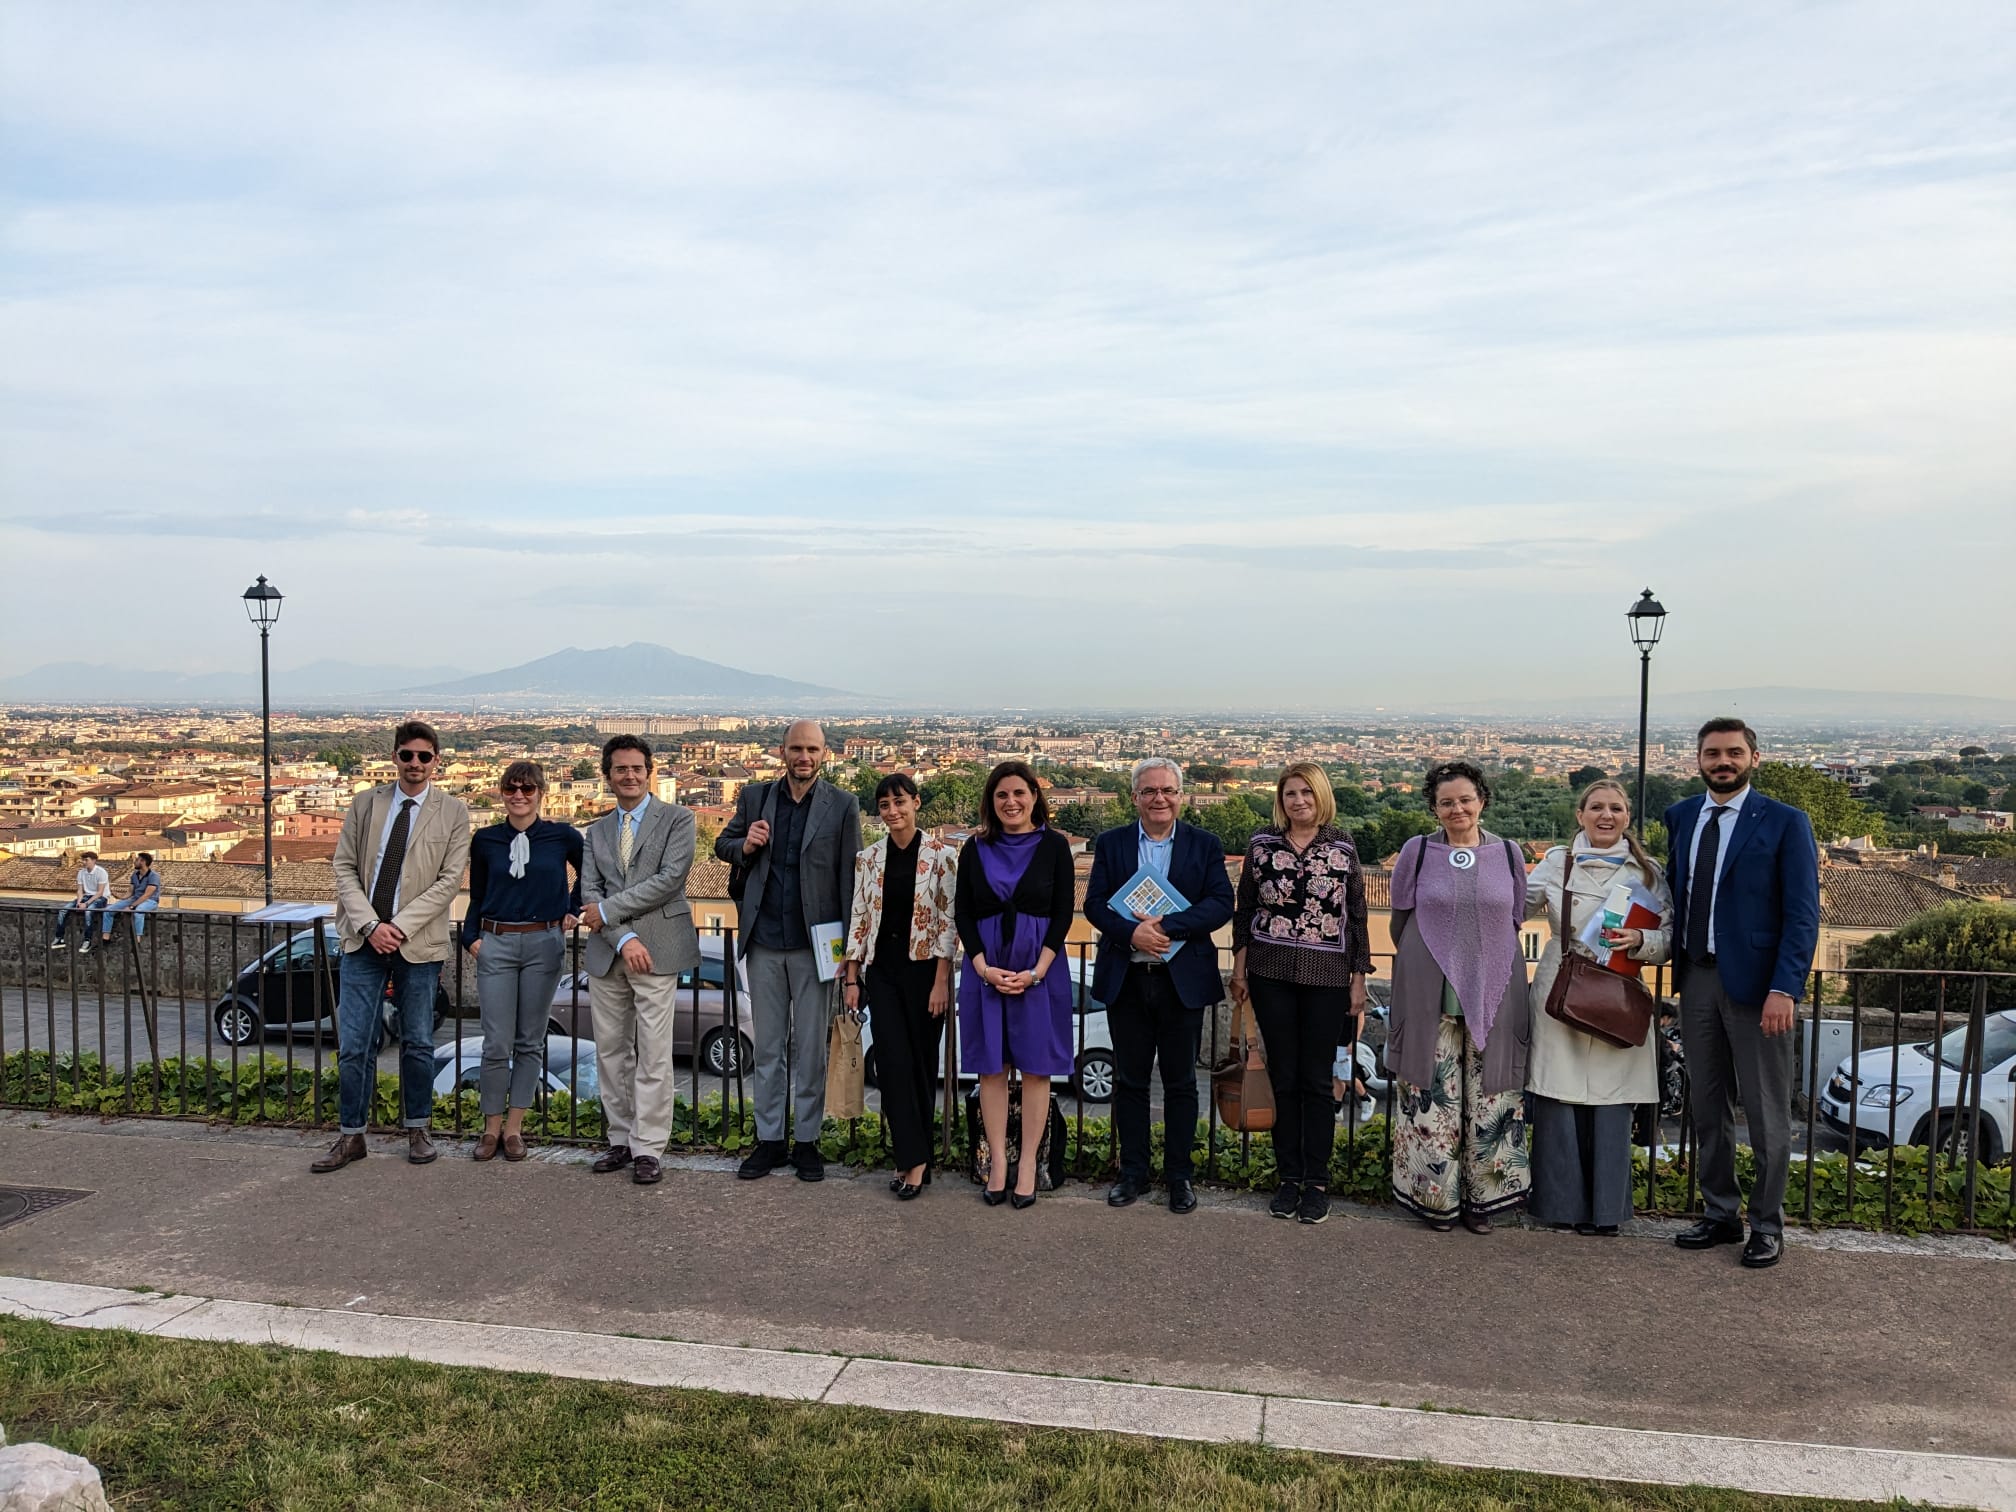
x,y
281,989
1867,1081
701,1012
570,1066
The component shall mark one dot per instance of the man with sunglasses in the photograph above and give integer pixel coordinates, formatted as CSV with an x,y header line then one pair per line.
x,y
398,865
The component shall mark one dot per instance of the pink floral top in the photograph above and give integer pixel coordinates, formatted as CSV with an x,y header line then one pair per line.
x,y
1300,915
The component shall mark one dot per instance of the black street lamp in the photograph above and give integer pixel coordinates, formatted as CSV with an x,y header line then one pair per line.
x,y
1648,619
262,606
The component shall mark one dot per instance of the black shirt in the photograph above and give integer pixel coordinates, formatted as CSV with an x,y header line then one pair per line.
x,y
780,921
899,900
1048,889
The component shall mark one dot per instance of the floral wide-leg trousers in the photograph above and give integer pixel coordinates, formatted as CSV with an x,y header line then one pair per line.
x,y
1456,1148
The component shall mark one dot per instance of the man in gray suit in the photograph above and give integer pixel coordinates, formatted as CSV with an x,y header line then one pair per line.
x,y
633,889
795,840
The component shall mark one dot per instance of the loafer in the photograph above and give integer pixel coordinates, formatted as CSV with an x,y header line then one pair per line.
x,y
612,1159
514,1147
348,1147
1182,1197
644,1171
805,1158
1477,1223
419,1148
760,1162
1287,1200
908,1191
1315,1205
1708,1233
1762,1250
1126,1192
486,1147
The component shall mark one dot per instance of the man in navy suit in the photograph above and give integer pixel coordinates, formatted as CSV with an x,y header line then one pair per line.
x,y
1156,1008
1746,919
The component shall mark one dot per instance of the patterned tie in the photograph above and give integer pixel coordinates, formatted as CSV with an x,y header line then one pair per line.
x,y
385,888
624,838
1701,888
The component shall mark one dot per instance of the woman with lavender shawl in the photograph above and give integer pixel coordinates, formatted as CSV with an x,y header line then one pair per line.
x,y
1460,1028
1014,905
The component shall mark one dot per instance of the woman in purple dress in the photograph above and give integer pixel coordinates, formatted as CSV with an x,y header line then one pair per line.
x,y
1014,906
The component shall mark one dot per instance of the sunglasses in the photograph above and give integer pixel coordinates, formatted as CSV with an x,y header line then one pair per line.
x,y
425,758
520,787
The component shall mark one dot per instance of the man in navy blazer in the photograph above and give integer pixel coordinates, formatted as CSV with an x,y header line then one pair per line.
x,y
1156,1008
1746,920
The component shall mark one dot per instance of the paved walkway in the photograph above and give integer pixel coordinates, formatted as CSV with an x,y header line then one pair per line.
x,y
1861,1345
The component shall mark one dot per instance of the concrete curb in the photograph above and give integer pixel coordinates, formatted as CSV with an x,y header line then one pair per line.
x,y
1762,1466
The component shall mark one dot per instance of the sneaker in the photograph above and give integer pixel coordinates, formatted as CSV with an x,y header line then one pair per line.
x,y
59,944
1287,1200
768,1156
1315,1205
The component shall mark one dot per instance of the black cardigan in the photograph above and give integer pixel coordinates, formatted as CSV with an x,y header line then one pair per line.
x,y
1048,889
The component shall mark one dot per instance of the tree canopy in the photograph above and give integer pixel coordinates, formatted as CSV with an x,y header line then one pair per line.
x,y
1835,813
1955,937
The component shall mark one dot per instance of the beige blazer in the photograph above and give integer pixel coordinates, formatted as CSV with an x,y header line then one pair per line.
x,y
933,934
437,854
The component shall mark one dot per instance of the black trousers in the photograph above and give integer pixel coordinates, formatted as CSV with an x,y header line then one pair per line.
x,y
1150,1021
906,1053
1301,1027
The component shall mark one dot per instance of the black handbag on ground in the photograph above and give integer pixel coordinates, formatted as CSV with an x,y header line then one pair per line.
x,y
1049,1155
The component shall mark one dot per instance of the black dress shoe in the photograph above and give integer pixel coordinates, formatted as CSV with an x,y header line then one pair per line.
x,y
1763,1250
805,1157
1126,1192
618,1156
908,1191
1708,1233
1182,1197
766,1157
644,1171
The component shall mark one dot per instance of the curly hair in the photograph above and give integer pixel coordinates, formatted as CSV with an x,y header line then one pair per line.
x,y
1451,771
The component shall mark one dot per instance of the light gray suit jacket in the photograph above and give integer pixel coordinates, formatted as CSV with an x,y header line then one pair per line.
x,y
827,846
649,898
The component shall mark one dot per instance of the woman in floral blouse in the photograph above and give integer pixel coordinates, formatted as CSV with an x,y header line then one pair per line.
x,y
901,939
1301,950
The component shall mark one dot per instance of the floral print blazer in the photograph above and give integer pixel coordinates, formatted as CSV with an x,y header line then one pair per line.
x,y
933,935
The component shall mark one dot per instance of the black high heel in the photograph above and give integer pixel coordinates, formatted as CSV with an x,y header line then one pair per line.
x,y
908,1191
994,1199
1017,1201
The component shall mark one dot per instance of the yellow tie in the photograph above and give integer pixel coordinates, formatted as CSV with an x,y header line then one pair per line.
x,y
623,841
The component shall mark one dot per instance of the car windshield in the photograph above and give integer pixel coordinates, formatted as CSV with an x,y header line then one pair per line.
x,y
2001,1042
572,1065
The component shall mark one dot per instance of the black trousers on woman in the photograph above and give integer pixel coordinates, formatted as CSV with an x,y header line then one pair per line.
x,y
907,1037
1301,1027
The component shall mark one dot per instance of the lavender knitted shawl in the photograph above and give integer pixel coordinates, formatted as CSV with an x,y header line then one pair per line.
x,y
1469,920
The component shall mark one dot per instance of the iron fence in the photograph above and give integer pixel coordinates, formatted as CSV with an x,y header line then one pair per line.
x,y
181,1022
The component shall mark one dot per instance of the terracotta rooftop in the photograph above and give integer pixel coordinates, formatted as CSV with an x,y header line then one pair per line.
x,y
1860,897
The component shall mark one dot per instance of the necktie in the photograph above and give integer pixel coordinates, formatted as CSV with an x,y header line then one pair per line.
x,y
1701,887
385,887
624,839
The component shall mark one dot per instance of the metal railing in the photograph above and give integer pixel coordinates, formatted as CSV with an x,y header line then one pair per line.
x,y
166,1025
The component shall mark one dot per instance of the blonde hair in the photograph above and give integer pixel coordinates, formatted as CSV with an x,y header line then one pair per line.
x,y
1612,785
1319,784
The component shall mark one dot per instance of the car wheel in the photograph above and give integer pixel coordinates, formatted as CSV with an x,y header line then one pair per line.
x,y
1093,1080
237,1024
718,1052
1945,1139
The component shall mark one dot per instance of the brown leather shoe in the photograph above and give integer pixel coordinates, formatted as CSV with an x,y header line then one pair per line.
x,y
348,1147
613,1159
1477,1223
644,1171
486,1148
419,1148
514,1147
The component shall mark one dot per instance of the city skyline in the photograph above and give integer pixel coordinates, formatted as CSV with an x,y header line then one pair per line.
x,y
1369,360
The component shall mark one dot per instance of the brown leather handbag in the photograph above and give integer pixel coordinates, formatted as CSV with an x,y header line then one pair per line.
x,y
1590,997
1239,1085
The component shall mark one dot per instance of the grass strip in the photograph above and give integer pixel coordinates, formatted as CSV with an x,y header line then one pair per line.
x,y
175,1423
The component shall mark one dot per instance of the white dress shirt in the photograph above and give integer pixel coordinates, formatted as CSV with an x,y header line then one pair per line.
x,y
1159,856
1732,807
399,799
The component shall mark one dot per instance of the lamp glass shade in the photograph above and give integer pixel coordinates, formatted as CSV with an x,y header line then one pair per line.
x,y
1648,619
262,603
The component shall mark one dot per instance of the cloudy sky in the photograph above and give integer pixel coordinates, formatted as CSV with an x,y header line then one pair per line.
x,y
1054,354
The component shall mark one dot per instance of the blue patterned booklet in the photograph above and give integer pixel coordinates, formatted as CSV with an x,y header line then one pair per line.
x,y
1148,895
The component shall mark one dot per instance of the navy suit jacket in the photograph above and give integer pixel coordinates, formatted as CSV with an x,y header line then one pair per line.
x,y
1767,905
1196,870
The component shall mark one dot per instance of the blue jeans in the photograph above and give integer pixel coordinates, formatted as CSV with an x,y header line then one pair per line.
x,y
360,995
138,910
63,918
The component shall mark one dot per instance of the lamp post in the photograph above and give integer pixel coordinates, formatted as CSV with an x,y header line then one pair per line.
x,y
262,607
1648,619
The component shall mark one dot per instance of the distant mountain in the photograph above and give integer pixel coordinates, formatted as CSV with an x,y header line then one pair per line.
x,y
636,673
1828,704
96,682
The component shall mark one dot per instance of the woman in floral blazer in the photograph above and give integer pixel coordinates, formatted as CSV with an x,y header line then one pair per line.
x,y
1300,953
901,942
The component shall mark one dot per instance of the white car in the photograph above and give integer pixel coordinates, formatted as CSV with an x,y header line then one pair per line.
x,y
1867,1081
570,1066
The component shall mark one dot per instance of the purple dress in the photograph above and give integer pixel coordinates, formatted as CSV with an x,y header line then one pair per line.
x,y
999,918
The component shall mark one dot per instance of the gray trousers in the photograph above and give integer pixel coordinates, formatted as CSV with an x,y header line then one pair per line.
x,y
515,978
789,1005
1728,1057
1581,1162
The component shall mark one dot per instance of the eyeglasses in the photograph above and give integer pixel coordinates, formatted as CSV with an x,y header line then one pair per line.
x,y
1156,792
425,758
521,787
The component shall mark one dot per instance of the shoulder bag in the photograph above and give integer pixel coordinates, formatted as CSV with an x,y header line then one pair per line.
x,y
1586,996
1239,1084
